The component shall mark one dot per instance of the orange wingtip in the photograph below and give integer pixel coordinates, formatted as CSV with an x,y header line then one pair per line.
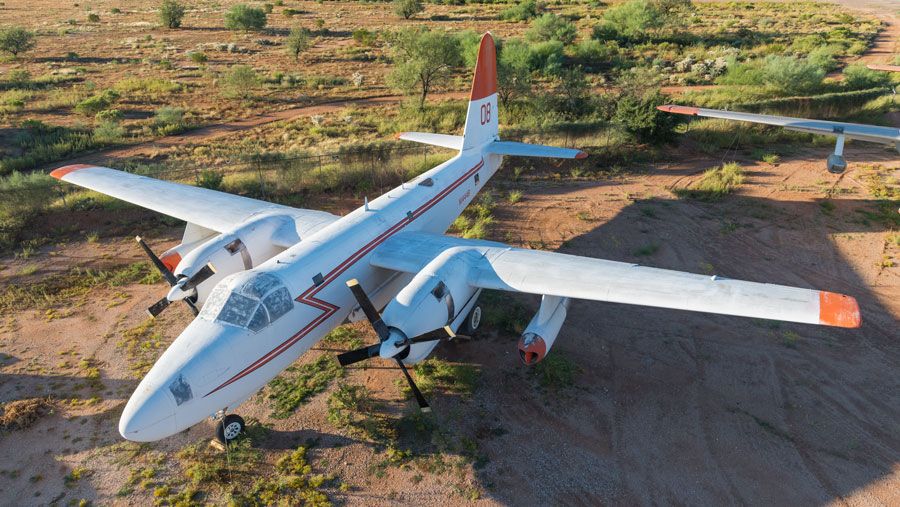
x,y
581,154
679,109
838,310
484,83
66,169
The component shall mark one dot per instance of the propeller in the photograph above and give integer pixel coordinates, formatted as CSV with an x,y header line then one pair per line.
x,y
178,285
389,350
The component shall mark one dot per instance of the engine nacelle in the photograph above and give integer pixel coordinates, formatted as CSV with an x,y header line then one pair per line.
x,y
244,247
433,298
836,164
543,328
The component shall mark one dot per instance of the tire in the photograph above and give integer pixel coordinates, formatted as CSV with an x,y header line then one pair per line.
x,y
229,428
472,322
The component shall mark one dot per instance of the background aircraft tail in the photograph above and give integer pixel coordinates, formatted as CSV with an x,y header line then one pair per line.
x,y
481,118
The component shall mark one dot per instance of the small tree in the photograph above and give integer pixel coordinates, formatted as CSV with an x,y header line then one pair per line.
x,y
551,27
298,41
513,71
408,8
244,17
171,12
15,40
240,82
422,59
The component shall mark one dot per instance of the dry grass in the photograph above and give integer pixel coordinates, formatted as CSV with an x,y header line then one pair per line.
x,y
21,414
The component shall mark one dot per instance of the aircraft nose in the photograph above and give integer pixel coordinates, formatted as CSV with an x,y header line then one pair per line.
x,y
148,416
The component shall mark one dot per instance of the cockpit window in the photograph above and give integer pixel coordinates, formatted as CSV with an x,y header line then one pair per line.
x,y
253,304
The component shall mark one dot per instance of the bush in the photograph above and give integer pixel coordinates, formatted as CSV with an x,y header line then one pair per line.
x,y
637,113
171,12
551,27
858,77
240,81
198,57
594,53
108,131
408,8
298,42
781,74
716,183
210,179
93,18
15,40
109,115
364,37
521,12
546,57
629,20
96,103
244,17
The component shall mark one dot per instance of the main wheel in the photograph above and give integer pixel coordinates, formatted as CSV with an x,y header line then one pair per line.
x,y
229,428
473,320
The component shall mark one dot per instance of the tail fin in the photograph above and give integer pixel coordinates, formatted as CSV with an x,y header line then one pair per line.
x,y
481,118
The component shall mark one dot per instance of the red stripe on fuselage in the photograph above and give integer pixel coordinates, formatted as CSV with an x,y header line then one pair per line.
x,y
329,309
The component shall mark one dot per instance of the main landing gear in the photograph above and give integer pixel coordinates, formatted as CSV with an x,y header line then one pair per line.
x,y
229,428
472,322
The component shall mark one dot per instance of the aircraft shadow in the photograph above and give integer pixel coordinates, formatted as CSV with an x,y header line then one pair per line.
x,y
680,407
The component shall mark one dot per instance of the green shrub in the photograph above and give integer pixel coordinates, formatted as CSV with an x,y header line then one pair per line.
x,y
198,57
108,132
594,53
210,179
522,11
550,27
629,20
364,37
268,8
113,115
408,8
169,120
637,113
93,18
858,77
298,41
244,17
15,40
171,12
240,81
96,103
716,183
781,74
546,57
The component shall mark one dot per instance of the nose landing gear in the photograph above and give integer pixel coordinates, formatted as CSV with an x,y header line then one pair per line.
x,y
229,428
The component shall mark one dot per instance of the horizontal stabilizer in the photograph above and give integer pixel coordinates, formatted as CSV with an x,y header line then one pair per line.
x,y
442,140
532,150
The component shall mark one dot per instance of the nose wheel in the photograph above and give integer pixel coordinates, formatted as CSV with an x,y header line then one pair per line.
x,y
229,428
472,322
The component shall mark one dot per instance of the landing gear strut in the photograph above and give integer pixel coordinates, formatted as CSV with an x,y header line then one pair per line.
x,y
472,322
229,428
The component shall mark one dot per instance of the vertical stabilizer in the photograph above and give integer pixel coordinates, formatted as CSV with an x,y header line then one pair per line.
x,y
481,118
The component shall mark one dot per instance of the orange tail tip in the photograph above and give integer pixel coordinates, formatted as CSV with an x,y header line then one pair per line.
x,y
679,109
66,169
838,310
484,84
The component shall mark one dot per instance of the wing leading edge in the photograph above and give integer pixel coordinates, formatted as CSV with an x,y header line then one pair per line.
x,y
210,209
555,274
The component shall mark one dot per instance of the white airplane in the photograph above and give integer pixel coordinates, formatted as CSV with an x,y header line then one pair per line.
x,y
273,280
835,163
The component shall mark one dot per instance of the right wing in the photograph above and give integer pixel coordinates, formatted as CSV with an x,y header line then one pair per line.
x,y
210,209
497,266
871,133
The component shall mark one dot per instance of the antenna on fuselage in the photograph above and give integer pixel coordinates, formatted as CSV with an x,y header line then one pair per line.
x,y
366,203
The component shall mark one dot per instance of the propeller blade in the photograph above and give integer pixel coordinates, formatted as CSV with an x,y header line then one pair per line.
x,y
199,277
192,306
444,333
170,278
369,309
157,307
355,356
423,403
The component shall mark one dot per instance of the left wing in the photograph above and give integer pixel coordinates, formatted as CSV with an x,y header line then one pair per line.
x,y
210,209
554,274
871,133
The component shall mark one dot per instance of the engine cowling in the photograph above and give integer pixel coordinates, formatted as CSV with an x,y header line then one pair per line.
x,y
246,246
432,299
539,335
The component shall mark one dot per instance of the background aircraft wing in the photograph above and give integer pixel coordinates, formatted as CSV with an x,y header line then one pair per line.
x,y
497,266
217,211
871,133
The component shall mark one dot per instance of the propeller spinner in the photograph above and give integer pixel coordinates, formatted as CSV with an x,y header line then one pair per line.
x,y
181,289
393,342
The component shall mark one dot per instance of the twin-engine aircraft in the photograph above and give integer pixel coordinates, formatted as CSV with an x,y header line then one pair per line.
x,y
269,281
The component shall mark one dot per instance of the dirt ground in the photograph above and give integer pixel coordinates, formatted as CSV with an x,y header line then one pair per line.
x,y
668,407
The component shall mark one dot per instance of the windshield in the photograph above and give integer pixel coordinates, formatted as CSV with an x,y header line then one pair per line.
x,y
252,304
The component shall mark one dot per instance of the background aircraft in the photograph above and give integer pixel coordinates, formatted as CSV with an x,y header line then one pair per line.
x,y
835,163
273,280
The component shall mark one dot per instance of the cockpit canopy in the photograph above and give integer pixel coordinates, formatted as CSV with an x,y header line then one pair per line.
x,y
252,302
